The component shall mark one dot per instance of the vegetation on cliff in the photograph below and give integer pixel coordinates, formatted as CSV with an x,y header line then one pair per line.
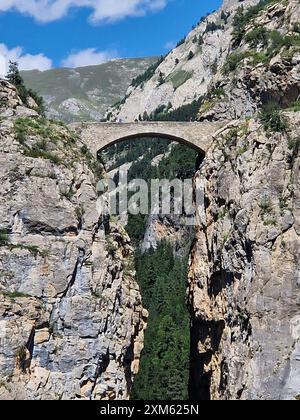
x,y
15,78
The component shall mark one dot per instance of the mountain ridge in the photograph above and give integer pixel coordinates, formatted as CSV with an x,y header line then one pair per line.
x,y
84,93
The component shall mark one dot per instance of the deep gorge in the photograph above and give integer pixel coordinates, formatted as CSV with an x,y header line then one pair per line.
x,y
162,269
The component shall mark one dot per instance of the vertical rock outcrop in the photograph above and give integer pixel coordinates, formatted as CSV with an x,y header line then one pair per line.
x,y
71,317
244,274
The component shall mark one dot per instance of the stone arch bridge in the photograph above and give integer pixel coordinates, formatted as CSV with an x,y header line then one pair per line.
x,y
99,136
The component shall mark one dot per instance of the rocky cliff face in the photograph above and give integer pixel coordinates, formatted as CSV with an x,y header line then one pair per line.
x,y
244,268
186,73
263,63
71,318
244,265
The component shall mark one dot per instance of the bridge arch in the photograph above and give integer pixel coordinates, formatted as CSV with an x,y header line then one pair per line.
x,y
98,136
165,136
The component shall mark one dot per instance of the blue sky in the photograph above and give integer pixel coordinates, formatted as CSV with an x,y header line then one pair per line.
x,y
52,33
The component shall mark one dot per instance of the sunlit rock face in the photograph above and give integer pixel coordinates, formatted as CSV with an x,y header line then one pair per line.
x,y
71,318
244,267
179,79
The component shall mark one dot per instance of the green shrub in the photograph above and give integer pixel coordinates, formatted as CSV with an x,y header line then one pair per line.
x,y
84,149
214,67
39,100
294,144
207,105
161,79
294,106
46,131
68,194
79,211
258,57
33,249
187,112
277,41
243,18
37,127
212,27
15,295
181,42
218,92
296,27
3,237
265,205
258,36
272,119
35,152
238,26
233,61
270,222
111,245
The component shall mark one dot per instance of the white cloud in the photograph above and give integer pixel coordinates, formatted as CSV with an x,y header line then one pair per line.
x,y
88,57
170,45
25,61
102,10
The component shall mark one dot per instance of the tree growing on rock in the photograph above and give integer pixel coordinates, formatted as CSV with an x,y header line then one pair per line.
x,y
14,77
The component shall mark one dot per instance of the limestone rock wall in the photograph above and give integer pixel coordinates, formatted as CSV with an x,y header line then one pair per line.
x,y
257,78
184,79
244,274
71,317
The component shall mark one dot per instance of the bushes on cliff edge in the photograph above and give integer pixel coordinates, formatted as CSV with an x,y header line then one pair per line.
x,y
15,78
272,118
3,237
243,17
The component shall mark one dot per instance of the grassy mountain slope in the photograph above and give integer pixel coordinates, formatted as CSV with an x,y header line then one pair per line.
x,y
85,93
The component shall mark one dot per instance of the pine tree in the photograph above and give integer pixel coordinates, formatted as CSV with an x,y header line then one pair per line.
x,y
238,26
164,365
13,75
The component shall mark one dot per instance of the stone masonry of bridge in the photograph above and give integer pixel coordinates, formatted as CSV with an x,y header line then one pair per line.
x,y
98,136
